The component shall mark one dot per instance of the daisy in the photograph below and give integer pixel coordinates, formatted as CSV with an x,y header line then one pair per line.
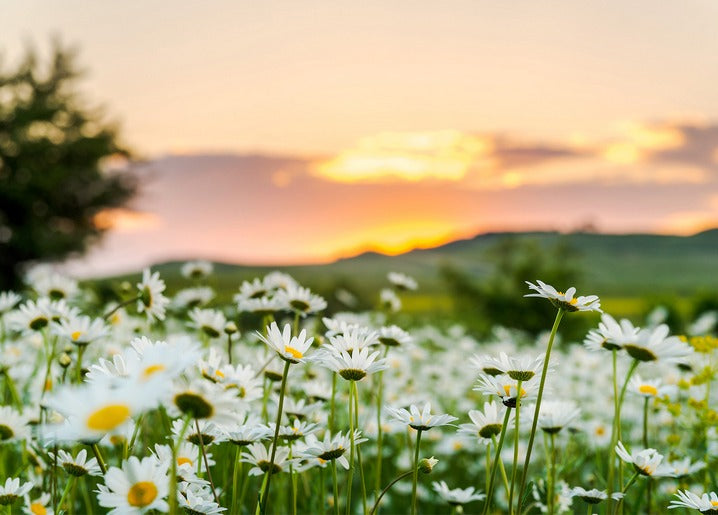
x,y
12,490
565,301
506,388
55,286
457,496
31,315
521,368
192,297
255,289
656,345
261,306
210,321
13,425
355,337
204,400
298,408
296,431
258,455
593,496
684,467
196,269
706,503
159,361
356,365
611,335
81,330
279,281
402,281
555,415
301,300
150,300
8,300
331,447
198,500
420,420
389,300
208,431
79,466
138,487
646,462
649,388
247,430
394,336
290,348
486,424
38,506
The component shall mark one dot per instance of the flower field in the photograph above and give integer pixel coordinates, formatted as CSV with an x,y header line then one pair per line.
x,y
179,404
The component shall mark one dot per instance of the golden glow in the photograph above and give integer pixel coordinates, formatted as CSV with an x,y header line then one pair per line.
x,y
655,137
125,220
623,153
407,156
108,417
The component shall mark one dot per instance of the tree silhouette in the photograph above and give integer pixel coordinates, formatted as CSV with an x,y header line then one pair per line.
x,y
52,153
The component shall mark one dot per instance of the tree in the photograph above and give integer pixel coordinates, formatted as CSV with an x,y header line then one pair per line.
x,y
52,153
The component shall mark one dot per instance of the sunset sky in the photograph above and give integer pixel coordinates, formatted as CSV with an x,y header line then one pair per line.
x,y
287,132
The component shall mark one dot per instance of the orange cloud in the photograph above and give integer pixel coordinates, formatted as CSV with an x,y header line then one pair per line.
x,y
125,220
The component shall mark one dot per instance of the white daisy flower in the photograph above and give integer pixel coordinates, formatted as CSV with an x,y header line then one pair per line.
x,y
486,424
138,487
301,300
354,366
593,496
209,321
198,500
420,420
151,300
38,506
331,447
192,297
402,281
646,462
296,431
13,425
565,301
705,503
656,345
261,306
11,491
649,388
290,348
355,337
457,496
31,315
196,269
80,330
610,334
506,388
685,467
204,400
56,286
557,414
259,456
210,432
78,466
248,429
8,300
389,300
394,336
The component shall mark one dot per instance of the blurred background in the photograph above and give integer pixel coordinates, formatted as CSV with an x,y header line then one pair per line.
x,y
567,141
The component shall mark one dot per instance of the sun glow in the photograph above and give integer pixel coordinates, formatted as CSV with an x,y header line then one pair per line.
x,y
443,155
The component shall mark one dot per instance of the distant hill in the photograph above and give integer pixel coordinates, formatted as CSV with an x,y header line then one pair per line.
x,y
620,265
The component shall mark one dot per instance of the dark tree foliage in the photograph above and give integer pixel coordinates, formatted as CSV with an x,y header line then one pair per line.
x,y
52,149
498,299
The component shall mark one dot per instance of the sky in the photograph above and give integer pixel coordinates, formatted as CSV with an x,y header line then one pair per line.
x,y
288,132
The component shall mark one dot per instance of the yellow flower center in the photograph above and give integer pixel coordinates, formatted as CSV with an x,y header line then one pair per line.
x,y
108,417
648,389
152,369
714,503
219,373
573,301
142,494
38,509
76,335
294,352
182,460
507,389
600,430
458,446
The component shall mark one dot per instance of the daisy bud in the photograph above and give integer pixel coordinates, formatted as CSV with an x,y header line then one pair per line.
x,y
65,360
426,465
230,328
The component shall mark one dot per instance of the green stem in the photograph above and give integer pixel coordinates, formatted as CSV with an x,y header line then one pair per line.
x,y
235,481
645,446
361,467
173,467
78,369
516,446
229,349
13,390
616,410
203,453
527,461
497,459
336,487
416,472
98,455
135,432
121,305
552,474
265,491
386,489
350,476
70,482
379,432
616,432
332,403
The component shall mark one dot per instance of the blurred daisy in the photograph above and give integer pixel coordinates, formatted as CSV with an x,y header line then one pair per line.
x,y
38,506
649,388
151,301
56,286
13,425
137,487
197,499
457,496
260,306
11,491
611,335
8,300
354,338
420,420
705,503
204,400
393,336
209,321
290,348
646,462
80,330
247,430
301,300
78,466
656,345
31,315
685,467
402,281
331,447
565,301
506,388
192,297
389,300
556,414
296,431
593,496
258,455
196,269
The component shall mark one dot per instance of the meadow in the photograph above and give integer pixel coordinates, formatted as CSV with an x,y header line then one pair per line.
x,y
126,396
